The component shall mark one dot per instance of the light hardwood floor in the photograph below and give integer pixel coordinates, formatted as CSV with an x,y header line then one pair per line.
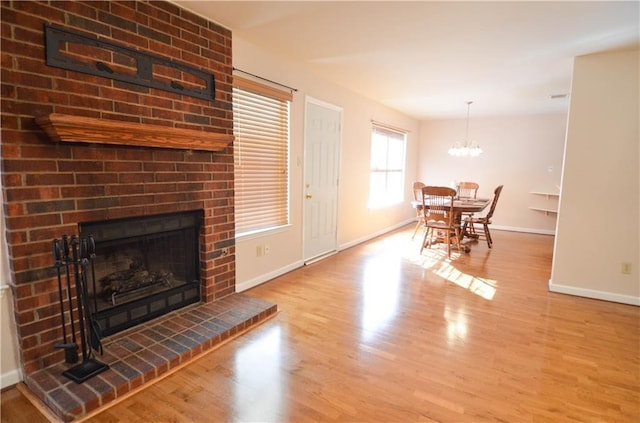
x,y
380,333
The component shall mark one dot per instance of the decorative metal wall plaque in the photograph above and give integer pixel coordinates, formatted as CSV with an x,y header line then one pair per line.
x,y
93,56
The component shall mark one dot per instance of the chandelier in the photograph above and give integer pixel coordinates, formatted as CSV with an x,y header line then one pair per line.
x,y
468,149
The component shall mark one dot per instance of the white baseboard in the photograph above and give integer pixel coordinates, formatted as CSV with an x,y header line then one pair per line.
x,y
597,295
375,234
243,286
413,221
526,230
10,378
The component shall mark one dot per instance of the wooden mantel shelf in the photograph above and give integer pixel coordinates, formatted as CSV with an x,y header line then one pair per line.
x,y
69,128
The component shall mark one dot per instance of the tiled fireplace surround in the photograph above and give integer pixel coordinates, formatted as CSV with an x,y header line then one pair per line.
x,y
51,185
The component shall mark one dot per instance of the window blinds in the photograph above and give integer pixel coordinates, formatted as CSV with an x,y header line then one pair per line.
x,y
261,128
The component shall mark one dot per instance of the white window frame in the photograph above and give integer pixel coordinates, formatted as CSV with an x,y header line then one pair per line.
x,y
388,166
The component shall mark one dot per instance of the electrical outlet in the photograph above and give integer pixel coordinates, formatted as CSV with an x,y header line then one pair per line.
x,y
224,252
259,250
626,268
267,249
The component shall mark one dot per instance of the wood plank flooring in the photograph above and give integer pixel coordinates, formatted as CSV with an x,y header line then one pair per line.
x,y
380,333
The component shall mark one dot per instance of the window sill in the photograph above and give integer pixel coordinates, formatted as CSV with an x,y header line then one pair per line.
x,y
262,233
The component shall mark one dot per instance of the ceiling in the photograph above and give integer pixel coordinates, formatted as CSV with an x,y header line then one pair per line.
x,y
427,59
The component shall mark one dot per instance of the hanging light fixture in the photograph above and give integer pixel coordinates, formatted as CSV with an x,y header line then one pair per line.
x,y
470,149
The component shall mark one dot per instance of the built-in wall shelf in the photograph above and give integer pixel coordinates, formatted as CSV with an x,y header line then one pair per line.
x,y
546,211
550,205
547,194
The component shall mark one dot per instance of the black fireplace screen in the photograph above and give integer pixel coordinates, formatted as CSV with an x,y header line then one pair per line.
x,y
144,267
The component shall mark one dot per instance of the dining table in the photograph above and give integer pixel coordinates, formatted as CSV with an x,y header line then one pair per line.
x,y
460,206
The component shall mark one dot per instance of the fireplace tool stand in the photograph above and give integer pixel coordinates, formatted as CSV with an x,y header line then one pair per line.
x,y
80,259
70,348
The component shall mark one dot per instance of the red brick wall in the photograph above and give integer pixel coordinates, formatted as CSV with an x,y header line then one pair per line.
x,y
51,187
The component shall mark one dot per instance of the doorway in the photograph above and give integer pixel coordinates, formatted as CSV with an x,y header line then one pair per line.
x,y
323,133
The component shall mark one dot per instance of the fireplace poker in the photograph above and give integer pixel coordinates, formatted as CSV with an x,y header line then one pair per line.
x,y
89,366
67,260
93,328
70,349
92,257
76,273
57,258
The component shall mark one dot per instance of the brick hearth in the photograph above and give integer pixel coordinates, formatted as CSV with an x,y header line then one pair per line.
x,y
147,352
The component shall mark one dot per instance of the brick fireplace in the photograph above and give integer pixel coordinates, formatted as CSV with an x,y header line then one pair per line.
x,y
145,267
155,159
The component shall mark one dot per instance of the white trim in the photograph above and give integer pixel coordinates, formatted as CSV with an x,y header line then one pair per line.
x,y
318,102
590,293
263,232
526,230
10,378
389,127
413,221
320,257
243,286
3,288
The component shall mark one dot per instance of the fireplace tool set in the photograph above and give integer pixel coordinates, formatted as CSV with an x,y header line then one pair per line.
x,y
76,255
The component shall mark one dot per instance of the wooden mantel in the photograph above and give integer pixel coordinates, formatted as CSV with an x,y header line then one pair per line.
x,y
69,128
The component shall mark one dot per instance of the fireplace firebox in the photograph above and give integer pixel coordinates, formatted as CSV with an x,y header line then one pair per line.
x,y
144,267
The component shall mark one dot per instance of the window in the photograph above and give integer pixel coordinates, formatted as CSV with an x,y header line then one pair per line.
x,y
261,156
387,167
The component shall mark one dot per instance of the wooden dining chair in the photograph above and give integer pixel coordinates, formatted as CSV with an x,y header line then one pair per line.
x,y
439,219
468,189
469,225
417,197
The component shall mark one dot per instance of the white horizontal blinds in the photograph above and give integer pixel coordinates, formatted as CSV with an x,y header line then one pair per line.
x,y
387,166
261,129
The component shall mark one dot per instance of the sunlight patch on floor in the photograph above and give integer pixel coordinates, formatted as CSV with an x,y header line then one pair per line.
x,y
457,325
479,286
437,260
261,379
380,294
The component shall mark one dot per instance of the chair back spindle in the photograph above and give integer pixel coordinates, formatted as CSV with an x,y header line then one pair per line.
x,y
468,189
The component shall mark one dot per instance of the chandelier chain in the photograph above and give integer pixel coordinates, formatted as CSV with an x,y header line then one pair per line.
x,y
468,148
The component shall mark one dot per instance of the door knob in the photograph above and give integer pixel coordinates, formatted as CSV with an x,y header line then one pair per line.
x,y
308,196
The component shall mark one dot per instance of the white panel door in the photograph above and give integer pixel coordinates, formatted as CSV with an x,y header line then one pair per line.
x,y
321,168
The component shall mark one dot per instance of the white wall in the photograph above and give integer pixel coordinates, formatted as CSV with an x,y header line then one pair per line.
x,y
355,221
10,372
518,152
598,221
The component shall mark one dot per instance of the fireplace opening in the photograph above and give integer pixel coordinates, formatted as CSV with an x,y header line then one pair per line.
x,y
144,267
